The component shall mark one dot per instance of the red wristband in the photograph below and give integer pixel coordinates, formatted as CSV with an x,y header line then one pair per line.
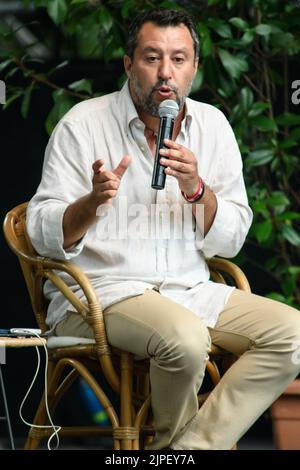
x,y
198,194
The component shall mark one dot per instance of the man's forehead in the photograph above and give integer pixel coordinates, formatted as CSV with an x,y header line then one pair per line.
x,y
151,35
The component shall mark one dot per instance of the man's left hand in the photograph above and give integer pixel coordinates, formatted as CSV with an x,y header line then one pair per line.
x,y
181,163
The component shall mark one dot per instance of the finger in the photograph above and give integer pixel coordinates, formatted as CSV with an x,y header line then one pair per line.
x,y
109,193
171,172
177,174
175,165
172,144
97,165
108,185
104,175
174,154
122,167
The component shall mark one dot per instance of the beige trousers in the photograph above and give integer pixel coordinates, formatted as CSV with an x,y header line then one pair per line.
x,y
264,333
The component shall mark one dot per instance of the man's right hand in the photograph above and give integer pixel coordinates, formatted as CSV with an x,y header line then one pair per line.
x,y
106,183
80,215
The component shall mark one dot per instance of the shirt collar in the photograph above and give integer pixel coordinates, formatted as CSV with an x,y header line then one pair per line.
x,y
127,107
130,114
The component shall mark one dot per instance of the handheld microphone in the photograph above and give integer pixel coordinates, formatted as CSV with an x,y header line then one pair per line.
x,y
168,111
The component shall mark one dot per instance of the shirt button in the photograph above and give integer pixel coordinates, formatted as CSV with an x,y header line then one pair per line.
x,y
142,148
138,124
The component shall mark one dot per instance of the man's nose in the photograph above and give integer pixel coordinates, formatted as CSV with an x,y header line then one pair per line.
x,y
165,69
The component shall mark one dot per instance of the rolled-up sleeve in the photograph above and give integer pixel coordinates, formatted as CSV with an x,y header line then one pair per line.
x,y
66,177
233,216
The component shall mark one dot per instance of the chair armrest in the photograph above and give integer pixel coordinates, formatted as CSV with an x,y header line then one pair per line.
x,y
225,266
92,312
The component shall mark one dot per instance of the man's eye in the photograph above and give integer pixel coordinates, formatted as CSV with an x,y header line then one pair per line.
x,y
151,58
178,60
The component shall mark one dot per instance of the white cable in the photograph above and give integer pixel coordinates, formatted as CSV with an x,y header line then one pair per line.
x,y
55,428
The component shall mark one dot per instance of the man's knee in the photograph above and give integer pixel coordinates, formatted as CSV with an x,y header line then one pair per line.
x,y
186,349
286,335
292,332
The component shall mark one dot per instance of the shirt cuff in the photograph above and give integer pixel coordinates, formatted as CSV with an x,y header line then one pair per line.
x,y
53,236
221,237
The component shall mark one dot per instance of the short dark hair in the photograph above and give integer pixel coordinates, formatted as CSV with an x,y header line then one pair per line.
x,y
160,17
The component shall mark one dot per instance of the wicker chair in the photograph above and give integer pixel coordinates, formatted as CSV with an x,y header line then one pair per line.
x,y
131,426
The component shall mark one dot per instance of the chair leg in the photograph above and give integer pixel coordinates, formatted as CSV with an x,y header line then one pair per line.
x,y
33,439
126,399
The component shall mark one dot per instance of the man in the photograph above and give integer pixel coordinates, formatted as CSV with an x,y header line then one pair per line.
x,y
155,291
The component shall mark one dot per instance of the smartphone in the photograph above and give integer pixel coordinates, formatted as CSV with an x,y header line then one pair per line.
x,y
6,332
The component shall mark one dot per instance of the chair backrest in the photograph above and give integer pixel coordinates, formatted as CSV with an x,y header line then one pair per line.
x,y
14,228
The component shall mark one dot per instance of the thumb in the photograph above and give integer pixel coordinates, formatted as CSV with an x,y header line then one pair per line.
x,y
122,167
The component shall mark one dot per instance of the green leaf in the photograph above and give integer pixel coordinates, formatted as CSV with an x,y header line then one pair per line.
x,y
227,87
288,119
11,99
206,46
82,85
105,19
220,27
230,4
288,285
239,23
11,72
248,36
263,230
57,67
198,80
278,199
126,7
260,157
62,104
234,65
5,63
288,143
264,123
258,108
246,98
289,215
26,101
272,263
76,2
277,296
294,270
295,133
263,29
282,40
260,207
290,234
57,10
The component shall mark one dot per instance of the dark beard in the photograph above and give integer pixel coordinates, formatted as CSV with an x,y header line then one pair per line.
x,y
147,103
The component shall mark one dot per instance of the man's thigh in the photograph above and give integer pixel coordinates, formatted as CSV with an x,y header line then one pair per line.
x,y
249,319
139,323
144,322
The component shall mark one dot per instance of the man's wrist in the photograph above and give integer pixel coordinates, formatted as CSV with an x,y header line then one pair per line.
x,y
198,194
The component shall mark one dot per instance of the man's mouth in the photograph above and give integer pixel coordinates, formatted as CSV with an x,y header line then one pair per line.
x,y
164,91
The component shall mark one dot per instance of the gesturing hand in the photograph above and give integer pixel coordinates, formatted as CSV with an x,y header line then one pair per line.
x,y
182,164
106,183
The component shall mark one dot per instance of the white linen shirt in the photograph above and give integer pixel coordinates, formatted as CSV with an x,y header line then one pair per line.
x,y
122,266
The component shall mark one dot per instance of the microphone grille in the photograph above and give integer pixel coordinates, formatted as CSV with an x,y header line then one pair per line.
x,y
168,108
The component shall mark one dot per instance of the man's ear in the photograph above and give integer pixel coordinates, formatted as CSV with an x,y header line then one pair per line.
x,y
196,66
127,65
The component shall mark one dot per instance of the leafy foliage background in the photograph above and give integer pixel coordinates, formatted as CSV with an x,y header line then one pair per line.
x,y
247,51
